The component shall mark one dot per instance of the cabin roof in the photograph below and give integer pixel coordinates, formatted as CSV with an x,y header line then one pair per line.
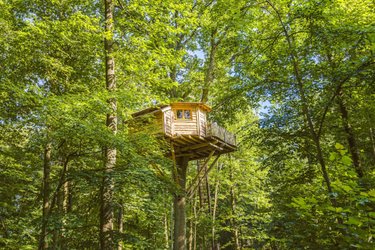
x,y
149,110
173,104
199,104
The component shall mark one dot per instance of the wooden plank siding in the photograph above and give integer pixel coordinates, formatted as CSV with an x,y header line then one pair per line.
x,y
168,126
202,123
185,126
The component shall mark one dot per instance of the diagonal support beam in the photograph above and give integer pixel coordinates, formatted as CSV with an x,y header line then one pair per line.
x,y
197,180
200,170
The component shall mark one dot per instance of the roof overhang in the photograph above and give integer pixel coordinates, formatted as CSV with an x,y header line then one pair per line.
x,y
149,110
201,105
164,107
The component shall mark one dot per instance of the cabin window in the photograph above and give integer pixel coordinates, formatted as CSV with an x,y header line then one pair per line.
x,y
183,114
180,114
187,114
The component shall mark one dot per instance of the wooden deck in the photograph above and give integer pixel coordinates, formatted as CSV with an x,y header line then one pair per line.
x,y
217,140
215,131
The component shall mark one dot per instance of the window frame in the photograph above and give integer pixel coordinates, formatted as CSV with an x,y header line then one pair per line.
x,y
183,114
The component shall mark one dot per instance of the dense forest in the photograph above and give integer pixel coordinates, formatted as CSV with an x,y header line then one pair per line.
x,y
293,79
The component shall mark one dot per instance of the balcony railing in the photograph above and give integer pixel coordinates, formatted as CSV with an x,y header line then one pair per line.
x,y
214,130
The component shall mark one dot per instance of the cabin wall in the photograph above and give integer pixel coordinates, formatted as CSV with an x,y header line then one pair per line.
x,y
159,123
168,126
185,126
151,123
202,124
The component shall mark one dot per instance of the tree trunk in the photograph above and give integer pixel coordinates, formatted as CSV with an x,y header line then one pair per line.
x,y
57,238
304,104
353,149
166,231
43,244
106,208
233,208
191,233
66,203
216,193
179,242
373,143
195,224
120,225
60,200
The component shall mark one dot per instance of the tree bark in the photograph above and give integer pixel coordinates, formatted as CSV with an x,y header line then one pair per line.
x,y
120,225
106,208
66,202
43,244
191,233
233,208
195,224
373,143
166,231
353,149
179,242
216,193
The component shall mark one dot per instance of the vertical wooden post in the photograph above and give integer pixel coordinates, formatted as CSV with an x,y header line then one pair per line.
x,y
179,205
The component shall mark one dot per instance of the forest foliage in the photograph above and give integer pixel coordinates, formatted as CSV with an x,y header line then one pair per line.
x,y
294,80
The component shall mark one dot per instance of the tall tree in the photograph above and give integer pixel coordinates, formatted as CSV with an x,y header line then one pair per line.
x,y
110,152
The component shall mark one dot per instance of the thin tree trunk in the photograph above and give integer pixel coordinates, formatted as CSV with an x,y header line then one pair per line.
x,y
57,238
316,139
106,208
120,225
43,244
353,149
179,242
216,192
373,143
66,203
166,231
195,224
61,211
233,208
172,225
304,104
191,232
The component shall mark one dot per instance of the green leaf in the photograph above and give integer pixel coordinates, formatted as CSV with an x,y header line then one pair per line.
x,y
339,146
354,221
346,188
346,160
371,192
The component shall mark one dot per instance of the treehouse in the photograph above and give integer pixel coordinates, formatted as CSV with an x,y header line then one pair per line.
x,y
186,126
192,137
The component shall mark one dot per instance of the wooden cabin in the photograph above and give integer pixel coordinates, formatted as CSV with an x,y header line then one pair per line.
x,y
185,124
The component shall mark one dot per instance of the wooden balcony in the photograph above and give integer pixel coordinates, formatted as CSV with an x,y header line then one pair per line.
x,y
215,131
217,141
